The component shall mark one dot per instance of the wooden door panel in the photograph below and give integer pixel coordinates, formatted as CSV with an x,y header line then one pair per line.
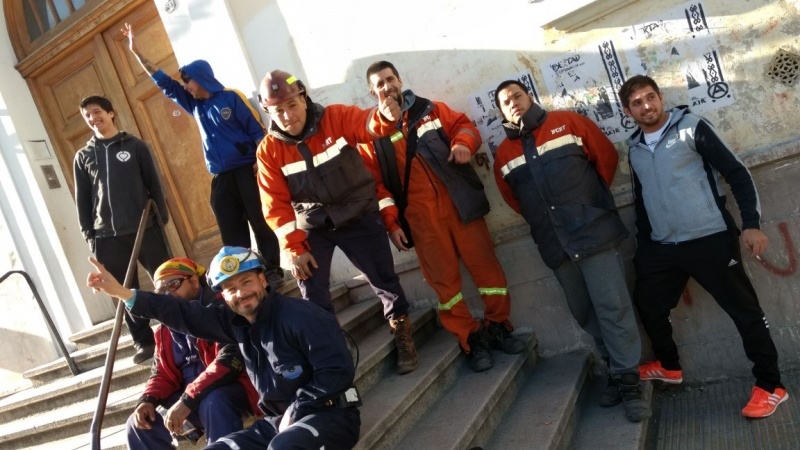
x,y
61,88
171,131
101,64
187,175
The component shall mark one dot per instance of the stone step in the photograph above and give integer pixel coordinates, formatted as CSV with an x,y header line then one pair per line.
x,y
86,359
377,351
65,391
391,405
74,419
600,427
544,415
466,408
111,438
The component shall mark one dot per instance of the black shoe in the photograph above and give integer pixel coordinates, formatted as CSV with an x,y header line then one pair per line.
x,y
143,353
610,395
502,339
630,389
479,357
275,278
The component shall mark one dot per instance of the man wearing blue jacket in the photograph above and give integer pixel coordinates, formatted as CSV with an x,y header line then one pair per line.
x,y
683,229
294,352
231,131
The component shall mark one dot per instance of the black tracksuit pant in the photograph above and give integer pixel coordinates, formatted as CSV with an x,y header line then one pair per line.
x,y
715,262
235,200
114,252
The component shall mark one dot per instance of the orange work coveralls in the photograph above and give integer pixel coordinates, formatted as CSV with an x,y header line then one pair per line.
x,y
440,236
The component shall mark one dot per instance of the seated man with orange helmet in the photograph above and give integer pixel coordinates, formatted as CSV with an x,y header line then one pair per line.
x,y
294,352
318,195
201,382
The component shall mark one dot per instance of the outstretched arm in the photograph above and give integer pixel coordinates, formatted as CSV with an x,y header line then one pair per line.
x,y
148,67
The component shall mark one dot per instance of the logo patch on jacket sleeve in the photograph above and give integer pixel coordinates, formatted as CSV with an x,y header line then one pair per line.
x,y
123,155
225,113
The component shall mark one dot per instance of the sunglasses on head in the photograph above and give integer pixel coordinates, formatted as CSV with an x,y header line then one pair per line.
x,y
171,285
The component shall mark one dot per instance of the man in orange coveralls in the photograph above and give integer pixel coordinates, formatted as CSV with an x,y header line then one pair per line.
x,y
442,201
317,195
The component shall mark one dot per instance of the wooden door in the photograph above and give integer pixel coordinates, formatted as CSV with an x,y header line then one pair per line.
x,y
104,66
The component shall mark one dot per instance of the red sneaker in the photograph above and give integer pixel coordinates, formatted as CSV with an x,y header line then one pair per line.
x,y
763,404
654,371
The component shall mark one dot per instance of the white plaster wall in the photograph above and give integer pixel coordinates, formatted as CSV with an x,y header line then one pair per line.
x,y
206,30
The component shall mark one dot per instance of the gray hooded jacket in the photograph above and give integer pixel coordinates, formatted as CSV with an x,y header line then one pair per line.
x,y
678,186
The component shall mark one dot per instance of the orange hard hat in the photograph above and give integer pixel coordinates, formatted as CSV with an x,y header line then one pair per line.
x,y
278,86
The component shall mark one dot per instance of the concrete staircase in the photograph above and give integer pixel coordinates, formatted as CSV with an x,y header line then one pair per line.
x,y
523,402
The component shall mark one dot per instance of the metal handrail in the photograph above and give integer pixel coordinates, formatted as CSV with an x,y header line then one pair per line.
x,y
105,384
50,324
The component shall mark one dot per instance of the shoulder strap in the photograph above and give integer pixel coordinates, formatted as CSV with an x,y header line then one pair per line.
x,y
384,150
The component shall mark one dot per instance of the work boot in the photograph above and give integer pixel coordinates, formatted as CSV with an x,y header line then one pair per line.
x,y
479,357
143,352
407,359
275,278
502,339
610,395
630,389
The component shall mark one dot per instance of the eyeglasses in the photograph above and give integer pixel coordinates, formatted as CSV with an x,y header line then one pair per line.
x,y
186,78
171,285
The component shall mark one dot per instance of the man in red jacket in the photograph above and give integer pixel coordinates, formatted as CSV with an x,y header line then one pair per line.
x,y
318,195
201,382
555,168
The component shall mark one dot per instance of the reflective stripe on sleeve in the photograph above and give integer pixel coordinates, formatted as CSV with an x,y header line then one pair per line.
x,y
285,229
383,203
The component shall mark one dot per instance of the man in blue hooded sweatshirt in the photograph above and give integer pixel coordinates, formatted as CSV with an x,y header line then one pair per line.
x,y
231,131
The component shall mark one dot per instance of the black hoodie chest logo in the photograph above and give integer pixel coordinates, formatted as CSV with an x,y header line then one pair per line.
x,y
123,156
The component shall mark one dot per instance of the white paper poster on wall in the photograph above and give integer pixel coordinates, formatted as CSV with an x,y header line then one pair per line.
x,y
587,81
678,48
486,115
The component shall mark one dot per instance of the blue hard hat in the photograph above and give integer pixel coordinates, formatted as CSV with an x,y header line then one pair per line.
x,y
232,261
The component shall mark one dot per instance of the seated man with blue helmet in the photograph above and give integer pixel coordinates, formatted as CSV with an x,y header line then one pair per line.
x,y
294,352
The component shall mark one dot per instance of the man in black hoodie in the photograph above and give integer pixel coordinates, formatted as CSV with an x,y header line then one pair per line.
x,y
114,177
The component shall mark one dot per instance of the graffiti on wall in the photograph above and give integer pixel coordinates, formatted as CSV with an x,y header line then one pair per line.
x,y
587,82
678,48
